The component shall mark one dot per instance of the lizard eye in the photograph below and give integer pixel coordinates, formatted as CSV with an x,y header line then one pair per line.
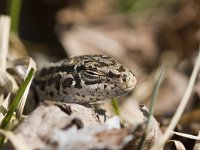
x,y
91,76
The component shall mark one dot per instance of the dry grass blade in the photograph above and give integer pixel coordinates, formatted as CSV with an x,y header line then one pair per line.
x,y
174,145
197,144
187,135
181,106
5,82
4,39
4,106
18,144
151,110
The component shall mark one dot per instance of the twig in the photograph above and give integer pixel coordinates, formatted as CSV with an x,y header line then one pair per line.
x,y
181,106
189,136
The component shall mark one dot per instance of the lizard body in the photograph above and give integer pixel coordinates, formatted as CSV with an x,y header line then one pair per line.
x,y
83,79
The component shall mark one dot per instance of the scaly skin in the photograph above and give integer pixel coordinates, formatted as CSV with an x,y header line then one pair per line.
x,y
84,79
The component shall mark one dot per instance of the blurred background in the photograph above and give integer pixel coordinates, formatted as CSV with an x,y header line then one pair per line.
x,y
142,34
139,27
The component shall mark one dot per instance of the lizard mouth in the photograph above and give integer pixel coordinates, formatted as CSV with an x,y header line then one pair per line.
x,y
130,85
129,89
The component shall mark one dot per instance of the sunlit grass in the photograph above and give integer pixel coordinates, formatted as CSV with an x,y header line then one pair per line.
x,y
115,105
14,104
14,10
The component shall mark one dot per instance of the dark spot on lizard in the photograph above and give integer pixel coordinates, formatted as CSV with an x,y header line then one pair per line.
x,y
104,64
125,77
108,80
91,82
78,94
83,96
67,69
43,72
67,83
51,93
133,73
57,81
121,69
65,92
42,84
78,86
50,80
95,68
111,74
117,75
113,62
79,68
105,86
51,70
78,82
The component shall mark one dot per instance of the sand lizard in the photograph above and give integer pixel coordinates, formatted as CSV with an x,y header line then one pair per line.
x,y
83,79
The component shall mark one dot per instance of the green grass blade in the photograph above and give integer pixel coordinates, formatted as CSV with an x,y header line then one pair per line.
x,y
115,105
15,103
151,109
14,9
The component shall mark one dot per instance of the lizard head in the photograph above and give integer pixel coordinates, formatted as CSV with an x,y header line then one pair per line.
x,y
83,79
101,77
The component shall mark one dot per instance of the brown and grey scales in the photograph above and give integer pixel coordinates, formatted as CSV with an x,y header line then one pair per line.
x,y
84,79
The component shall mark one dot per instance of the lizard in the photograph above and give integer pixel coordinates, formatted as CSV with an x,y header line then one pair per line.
x,y
84,79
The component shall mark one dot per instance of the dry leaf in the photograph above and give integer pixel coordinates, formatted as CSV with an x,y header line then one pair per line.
x,y
175,145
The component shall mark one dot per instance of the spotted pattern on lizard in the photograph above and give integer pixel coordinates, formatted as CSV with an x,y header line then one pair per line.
x,y
83,79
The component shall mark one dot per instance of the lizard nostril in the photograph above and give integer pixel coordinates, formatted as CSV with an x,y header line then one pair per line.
x,y
125,78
